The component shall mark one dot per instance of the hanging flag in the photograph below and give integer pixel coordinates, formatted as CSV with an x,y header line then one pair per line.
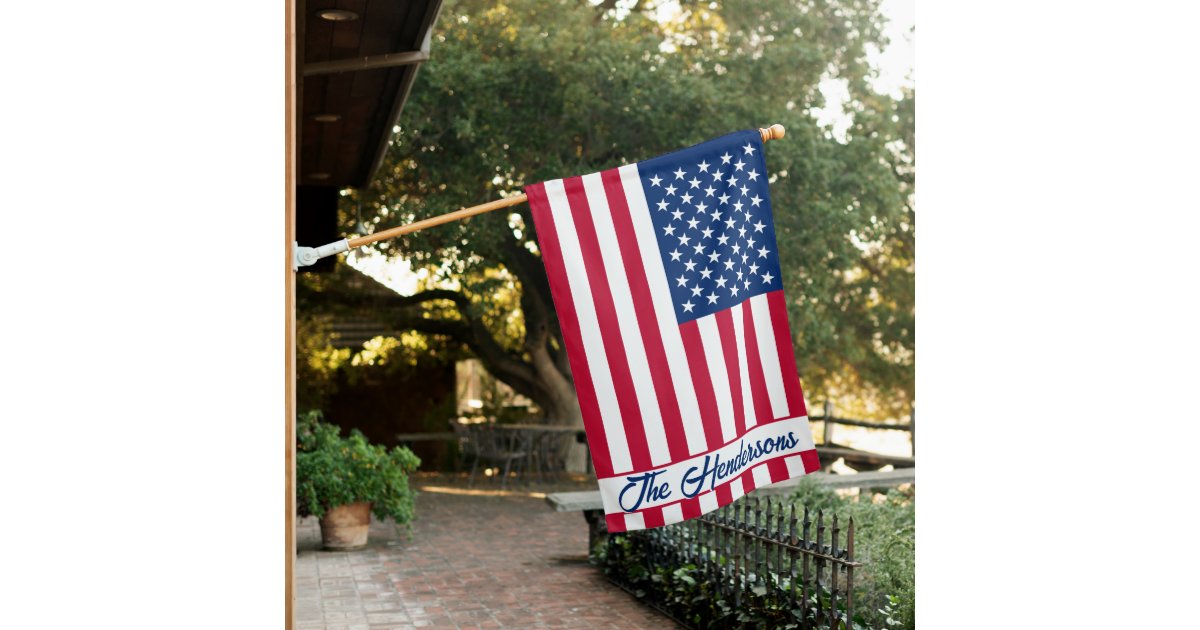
x,y
666,280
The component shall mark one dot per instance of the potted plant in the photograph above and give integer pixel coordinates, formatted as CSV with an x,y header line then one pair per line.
x,y
342,480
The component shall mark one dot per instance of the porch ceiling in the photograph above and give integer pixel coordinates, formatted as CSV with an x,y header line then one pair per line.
x,y
357,72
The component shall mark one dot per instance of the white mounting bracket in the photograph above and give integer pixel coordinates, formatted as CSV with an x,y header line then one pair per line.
x,y
305,256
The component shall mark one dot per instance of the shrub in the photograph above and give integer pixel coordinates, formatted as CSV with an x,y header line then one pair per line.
x,y
332,471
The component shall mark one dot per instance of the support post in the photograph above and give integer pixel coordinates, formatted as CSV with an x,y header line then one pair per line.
x,y
827,432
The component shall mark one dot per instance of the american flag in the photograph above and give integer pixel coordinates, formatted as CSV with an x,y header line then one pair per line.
x,y
666,279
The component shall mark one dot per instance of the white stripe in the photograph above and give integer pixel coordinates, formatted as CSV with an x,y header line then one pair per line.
x,y
762,476
660,293
708,502
589,327
768,354
634,520
795,466
714,355
672,514
631,333
739,335
736,489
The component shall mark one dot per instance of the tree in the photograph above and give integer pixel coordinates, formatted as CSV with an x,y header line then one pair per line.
x,y
522,91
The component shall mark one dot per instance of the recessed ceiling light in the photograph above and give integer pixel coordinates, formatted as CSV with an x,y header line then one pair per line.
x,y
318,175
337,15
327,117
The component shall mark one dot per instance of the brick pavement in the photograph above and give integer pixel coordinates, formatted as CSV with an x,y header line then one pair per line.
x,y
471,562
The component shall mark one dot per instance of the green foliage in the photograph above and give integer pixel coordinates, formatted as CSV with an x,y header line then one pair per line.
x,y
521,91
885,587
884,541
332,471
686,593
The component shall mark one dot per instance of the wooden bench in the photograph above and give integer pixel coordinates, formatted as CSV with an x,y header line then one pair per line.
x,y
592,507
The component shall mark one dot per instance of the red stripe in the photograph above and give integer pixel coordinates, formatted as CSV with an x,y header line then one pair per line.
x,y
778,468
724,494
812,463
758,381
653,517
706,397
615,522
787,356
568,321
610,329
647,317
747,478
733,367
690,508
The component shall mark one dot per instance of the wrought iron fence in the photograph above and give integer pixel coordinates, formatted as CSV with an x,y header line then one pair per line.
x,y
754,555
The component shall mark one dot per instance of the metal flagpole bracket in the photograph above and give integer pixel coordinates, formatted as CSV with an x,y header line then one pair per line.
x,y
306,256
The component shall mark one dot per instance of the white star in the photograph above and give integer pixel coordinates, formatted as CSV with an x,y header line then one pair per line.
x,y
737,205
705,273
739,165
662,205
724,198
755,200
704,166
695,183
691,264
679,174
767,278
654,181
692,223
723,239
758,227
717,175
750,242
686,198
712,298
725,158
707,232
749,149
687,306
675,255
701,207
678,214
670,190
744,257
696,291
729,222
685,239
728,265
732,181
733,289
669,230
699,248
721,282
716,215
682,280
762,253
747,283
737,249
739,274
713,257
742,232
753,269
708,192
745,191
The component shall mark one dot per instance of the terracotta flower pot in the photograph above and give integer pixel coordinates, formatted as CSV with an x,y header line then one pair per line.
x,y
345,527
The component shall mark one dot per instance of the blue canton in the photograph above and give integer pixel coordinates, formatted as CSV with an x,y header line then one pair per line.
x,y
712,217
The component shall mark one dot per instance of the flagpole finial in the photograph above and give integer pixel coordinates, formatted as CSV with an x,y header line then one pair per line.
x,y
774,132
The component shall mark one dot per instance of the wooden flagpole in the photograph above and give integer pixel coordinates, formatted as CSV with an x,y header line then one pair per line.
x,y
774,132
308,256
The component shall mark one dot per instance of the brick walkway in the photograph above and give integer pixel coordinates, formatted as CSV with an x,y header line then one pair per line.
x,y
472,562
